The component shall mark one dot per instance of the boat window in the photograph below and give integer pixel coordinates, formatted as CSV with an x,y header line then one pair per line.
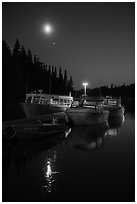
x,y
61,100
56,101
45,100
51,100
28,100
36,100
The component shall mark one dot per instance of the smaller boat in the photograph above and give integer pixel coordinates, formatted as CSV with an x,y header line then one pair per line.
x,y
113,105
37,129
109,103
82,116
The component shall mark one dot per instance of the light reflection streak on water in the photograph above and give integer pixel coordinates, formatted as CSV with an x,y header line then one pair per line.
x,y
112,132
95,144
50,168
49,172
67,132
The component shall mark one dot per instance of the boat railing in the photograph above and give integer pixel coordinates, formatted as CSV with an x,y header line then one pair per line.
x,y
112,102
36,100
93,104
87,104
45,99
42,100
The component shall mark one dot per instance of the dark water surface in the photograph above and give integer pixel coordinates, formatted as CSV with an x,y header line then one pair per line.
x,y
89,164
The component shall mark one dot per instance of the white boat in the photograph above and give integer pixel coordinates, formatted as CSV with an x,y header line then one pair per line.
x,y
37,104
86,116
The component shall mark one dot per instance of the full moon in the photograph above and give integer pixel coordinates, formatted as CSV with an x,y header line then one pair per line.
x,y
47,28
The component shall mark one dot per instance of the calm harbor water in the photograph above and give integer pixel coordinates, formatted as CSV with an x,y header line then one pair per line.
x,y
87,164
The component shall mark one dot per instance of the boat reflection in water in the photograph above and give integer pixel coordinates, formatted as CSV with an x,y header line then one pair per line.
x,y
87,138
50,172
114,125
92,137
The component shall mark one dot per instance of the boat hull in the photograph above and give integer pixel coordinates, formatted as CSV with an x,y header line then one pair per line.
x,y
35,110
115,111
37,131
86,116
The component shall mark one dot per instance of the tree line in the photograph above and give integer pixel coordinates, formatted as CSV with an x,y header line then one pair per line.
x,y
123,91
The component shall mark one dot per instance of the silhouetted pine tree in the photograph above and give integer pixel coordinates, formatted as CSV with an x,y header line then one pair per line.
x,y
23,65
29,70
49,79
52,79
55,81
46,80
6,79
18,70
60,82
65,82
70,85
37,82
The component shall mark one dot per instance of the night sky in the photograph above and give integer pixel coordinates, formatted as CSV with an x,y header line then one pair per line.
x,y
94,42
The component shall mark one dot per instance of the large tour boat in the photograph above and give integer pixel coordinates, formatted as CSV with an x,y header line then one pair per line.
x,y
37,104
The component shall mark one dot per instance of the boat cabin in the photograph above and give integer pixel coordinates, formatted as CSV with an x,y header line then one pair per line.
x,y
41,98
92,102
97,102
112,101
